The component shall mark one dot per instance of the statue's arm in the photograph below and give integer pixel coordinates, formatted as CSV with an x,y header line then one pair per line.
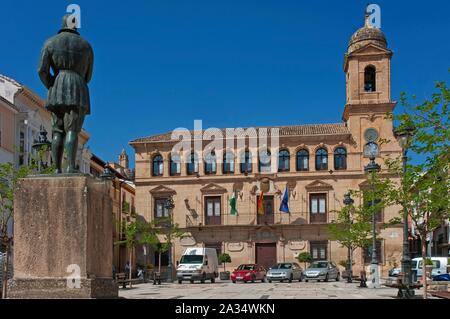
x,y
90,68
44,68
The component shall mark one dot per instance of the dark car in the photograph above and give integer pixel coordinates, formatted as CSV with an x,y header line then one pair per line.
x,y
249,272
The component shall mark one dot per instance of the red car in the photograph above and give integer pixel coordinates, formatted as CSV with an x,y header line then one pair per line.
x,y
249,272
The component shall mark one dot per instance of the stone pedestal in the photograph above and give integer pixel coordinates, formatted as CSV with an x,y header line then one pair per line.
x,y
62,238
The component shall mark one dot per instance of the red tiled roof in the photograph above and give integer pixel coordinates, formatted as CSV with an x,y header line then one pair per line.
x,y
292,130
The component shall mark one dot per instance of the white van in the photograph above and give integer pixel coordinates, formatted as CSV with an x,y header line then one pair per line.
x,y
198,263
439,266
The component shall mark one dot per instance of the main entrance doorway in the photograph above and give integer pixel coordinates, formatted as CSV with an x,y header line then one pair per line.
x,y
266,254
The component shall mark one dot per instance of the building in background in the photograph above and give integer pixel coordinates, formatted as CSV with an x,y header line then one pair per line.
x,y
124,210
317,163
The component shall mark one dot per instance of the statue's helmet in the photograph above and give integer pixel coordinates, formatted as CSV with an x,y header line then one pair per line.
x,y
69,22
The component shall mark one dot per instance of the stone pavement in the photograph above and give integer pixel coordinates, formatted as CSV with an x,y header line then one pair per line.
x,y
228,290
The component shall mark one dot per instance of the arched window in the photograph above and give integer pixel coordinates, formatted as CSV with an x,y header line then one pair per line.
x,y
321,159
370,79
340,158
192,164
158,164
246,162
175,165
210,163
228,163
283,161
302,160
265,161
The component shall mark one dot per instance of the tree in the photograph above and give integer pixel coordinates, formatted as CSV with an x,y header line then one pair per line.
x,y
131,239
9,177
424,193
166,232
305,258
223,259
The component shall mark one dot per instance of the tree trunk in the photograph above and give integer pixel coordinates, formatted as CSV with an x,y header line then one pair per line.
x,y
131,266
159,263
224,270
424,268
5,271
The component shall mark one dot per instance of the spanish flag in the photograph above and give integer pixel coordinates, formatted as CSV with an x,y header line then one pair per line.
x,y
261,204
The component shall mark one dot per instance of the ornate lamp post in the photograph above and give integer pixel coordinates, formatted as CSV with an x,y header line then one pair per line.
x,y
372,168
170,205
404,138
42,146
348,201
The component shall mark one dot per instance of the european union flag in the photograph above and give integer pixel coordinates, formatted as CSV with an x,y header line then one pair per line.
x,y
284,207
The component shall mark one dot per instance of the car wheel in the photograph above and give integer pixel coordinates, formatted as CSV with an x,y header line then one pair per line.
x,y
234,281
264,279
270,281
281,280
338,277
213,279
191,281
245,281
290,278
301,278
253,279
203,278
326,278
306,280
180,281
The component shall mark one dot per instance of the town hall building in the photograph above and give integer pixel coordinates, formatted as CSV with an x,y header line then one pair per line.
x,y
318,164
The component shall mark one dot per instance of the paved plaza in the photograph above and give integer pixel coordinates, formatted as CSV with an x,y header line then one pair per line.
x,y
228,290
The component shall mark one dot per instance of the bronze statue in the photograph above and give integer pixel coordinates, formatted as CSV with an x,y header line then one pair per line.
x,y
65,68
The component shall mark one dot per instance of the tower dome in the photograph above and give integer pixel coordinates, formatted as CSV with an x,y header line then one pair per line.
x,y
366,35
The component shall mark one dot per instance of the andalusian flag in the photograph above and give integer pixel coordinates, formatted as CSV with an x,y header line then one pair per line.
x,y
261,204
233,210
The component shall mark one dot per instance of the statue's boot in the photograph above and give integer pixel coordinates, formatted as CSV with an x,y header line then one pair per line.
x,y
71,145
57,150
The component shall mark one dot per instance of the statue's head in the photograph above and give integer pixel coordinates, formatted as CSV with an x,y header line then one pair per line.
x,y
69,22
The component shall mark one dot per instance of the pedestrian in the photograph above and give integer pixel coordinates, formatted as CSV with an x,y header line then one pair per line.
x,y
127,269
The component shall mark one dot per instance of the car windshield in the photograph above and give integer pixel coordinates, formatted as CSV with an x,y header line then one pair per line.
x,y
246,267
319,264
191,259
282,266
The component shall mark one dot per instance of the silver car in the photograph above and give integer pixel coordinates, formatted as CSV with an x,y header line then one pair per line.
x,y
322,270
285,271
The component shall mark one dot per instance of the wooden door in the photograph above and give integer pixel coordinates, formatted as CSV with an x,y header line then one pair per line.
x,y
266,254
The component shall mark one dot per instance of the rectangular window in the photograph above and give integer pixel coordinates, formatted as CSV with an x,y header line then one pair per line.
x,y
160,210
212,210
318,208
164,258
319,250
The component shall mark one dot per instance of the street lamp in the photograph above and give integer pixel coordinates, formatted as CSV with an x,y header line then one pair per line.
x,y
371,169
170,205
107,174
404,137
348,201
42,147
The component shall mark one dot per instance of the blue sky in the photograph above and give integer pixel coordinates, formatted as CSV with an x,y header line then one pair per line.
x,y
161,64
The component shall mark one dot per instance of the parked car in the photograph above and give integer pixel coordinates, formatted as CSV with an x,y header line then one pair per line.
x,y
439,266
443,277
198,263
285,271
322,270
249,272
394,272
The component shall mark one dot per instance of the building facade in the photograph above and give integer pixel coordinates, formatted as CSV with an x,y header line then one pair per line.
x,y
122,194
318,164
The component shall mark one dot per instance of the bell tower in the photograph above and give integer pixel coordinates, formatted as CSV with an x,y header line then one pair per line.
x,y
367,67
123,159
